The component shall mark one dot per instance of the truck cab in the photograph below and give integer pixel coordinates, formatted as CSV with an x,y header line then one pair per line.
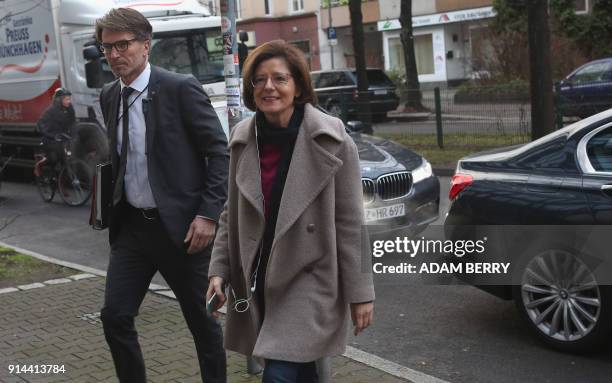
x,y
59,38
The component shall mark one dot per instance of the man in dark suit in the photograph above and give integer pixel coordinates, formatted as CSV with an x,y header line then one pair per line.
x,y
170,163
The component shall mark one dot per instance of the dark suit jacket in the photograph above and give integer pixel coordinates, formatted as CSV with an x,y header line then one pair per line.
x,y
187,154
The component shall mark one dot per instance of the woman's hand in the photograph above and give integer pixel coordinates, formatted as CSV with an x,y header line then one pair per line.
x,y
215,285
362,315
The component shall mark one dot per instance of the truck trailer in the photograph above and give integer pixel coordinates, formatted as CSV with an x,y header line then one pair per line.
x,y
47,44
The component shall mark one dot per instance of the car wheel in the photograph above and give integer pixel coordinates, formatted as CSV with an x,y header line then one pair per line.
x,y
563,303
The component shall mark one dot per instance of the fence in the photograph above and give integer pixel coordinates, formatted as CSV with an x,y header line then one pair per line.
x,y
479,117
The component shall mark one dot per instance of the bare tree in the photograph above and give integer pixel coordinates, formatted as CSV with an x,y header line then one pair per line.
x,y
540,69
360,60
413,92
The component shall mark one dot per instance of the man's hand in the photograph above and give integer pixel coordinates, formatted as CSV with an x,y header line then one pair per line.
x,y
201,233
215,285
362,315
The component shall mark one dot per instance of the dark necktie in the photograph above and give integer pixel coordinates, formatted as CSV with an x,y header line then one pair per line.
x,y
125,142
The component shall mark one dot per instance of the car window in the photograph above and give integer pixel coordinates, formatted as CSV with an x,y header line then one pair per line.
x,y
328,80
314,78
599,151
345,79
377,77
591,73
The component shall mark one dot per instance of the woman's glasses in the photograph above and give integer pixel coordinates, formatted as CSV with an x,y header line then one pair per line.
x,y
278,80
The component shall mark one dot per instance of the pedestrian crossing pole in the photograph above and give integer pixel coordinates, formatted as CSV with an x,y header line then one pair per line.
x,y
230,62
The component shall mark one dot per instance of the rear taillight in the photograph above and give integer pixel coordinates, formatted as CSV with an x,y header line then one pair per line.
x,y
458,183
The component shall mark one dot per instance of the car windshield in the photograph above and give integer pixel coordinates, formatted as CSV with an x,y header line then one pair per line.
x,y
190,52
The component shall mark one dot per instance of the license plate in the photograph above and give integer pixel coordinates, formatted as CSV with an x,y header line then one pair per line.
x,y
382,91
385,212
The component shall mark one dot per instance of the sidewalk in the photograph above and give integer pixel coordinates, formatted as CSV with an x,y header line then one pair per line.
x,y
58,323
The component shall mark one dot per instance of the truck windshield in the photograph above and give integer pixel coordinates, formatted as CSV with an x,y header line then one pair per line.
x,y
190,52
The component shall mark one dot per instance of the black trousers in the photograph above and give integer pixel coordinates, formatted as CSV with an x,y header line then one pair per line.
x,y
141,248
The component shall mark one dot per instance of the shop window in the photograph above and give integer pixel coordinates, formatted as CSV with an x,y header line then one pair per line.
x,y
423,51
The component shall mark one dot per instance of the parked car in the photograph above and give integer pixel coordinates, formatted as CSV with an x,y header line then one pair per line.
x,y
587,90
337,89
563,291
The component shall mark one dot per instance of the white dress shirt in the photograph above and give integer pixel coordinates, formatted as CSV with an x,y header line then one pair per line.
x,y
136,181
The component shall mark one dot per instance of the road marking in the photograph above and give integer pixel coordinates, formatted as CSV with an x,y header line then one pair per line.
x,y
357,355
390,367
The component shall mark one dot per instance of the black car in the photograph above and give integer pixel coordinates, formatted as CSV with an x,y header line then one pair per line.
x,y
563,184
587,90
336,91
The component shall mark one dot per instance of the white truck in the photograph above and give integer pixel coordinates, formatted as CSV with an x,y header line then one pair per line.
x,y
46,44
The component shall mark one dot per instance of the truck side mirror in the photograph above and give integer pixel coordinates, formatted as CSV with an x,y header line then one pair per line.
x,y
94,74
91,53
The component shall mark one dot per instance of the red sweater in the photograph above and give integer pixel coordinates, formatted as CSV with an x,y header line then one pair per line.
x,y
269,157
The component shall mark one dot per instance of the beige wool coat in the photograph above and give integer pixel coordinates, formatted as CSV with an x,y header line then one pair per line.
x,y
315,266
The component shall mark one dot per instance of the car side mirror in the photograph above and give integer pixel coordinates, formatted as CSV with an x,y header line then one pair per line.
x,y
355,126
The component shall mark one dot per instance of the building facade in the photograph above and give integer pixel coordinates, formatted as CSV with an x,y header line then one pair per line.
x,y
342,51
447,33
295,21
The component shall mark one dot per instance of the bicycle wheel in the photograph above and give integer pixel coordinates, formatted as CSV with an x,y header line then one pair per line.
x,y
75,182
45,183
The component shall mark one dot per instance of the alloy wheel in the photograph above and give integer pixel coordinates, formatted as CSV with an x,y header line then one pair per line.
x,y
561,295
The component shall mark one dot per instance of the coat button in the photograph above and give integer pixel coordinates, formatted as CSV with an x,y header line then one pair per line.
x,y
310,228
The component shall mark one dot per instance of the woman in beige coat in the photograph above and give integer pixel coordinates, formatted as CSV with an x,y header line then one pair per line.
x,y
289,240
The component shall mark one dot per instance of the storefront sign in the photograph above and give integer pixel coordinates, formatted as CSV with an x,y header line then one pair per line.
x,y
440,18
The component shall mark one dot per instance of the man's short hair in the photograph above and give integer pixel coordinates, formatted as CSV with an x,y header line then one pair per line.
x,y
125,20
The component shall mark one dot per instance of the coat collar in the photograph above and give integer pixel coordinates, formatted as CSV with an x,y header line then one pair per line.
x,y
312,166
312,124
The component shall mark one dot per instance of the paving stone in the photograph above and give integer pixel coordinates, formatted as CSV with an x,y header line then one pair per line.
x,y
59,324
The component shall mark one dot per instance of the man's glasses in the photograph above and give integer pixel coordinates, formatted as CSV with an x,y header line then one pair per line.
x,y
120,46
278,80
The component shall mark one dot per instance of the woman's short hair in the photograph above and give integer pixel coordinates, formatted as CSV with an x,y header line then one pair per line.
x,y
297,65
125,20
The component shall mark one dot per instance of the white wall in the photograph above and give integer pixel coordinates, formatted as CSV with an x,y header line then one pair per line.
x,y
390,9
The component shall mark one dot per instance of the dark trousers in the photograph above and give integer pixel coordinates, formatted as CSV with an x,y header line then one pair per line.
x,y
280,371
141,248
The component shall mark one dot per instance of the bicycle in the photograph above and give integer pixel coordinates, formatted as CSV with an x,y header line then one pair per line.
x,y
73,177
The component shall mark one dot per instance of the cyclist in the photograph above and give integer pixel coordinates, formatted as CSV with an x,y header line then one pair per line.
x,y
56,125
